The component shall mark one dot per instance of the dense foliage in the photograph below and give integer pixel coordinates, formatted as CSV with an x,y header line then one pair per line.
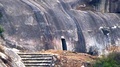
x,y
112,60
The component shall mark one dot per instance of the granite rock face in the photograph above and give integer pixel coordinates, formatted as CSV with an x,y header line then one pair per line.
x,y
39,24
8,58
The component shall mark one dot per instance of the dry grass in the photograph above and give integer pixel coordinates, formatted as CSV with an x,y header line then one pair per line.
x,y
114,49
70,59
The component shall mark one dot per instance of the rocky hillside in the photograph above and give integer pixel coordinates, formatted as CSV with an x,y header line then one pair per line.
x,y
39,24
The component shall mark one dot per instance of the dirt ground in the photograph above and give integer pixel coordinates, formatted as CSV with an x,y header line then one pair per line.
x,y
71,59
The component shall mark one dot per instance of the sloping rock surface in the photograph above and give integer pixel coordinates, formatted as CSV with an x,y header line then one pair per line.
x,y
8,58
39,24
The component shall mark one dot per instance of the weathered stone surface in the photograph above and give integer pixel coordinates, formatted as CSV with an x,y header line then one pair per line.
x,y
39,24
8,58
99,5
16,60
2,64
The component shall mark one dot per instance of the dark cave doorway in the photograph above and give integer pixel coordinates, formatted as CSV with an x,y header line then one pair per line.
x,y
64,45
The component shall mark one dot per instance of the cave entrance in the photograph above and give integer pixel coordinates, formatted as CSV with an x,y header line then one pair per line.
x,y
64,45
105,31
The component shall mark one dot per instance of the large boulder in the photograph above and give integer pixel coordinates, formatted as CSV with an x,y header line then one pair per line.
x,y
39,24
9,58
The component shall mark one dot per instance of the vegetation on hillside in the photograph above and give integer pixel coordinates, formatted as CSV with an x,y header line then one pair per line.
x,y
112,60
1,28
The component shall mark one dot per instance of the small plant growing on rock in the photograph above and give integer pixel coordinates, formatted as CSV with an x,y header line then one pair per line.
x,y
1,30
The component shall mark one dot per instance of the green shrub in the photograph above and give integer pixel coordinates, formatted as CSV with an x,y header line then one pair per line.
x,y
112,60
1,30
